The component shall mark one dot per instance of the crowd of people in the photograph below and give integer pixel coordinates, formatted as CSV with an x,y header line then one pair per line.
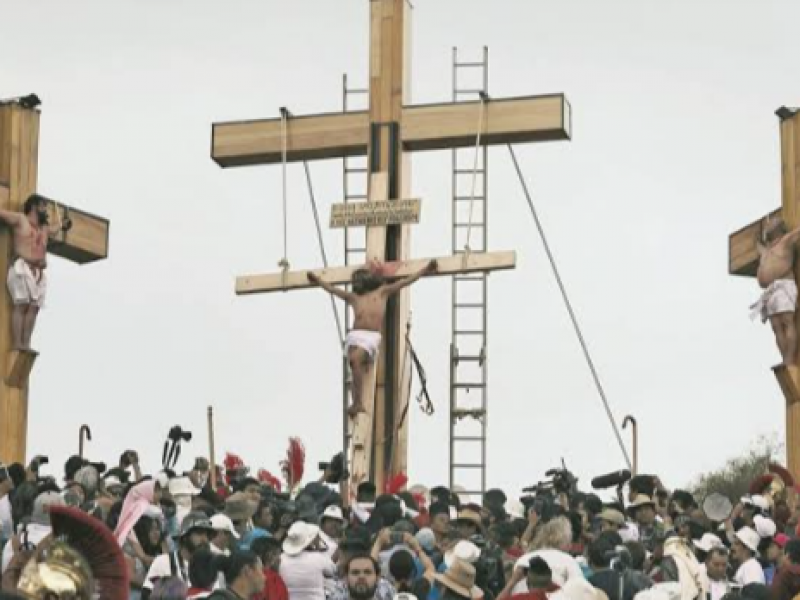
x,y
228,535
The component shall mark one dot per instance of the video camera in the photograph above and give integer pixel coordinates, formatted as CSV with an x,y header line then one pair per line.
x,y
543,496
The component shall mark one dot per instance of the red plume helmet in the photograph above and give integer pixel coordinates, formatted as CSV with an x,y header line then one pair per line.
x,y
294,464
269,479
397,483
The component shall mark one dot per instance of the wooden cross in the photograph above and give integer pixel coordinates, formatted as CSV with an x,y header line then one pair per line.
x,y
387,133
85,242
743,261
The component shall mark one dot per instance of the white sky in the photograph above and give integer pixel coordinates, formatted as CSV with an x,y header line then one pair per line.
x,y
675,146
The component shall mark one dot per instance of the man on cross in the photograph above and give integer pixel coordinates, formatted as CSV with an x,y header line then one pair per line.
x,y
371,292
776,277
27,283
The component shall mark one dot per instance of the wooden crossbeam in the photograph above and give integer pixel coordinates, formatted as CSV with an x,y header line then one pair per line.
x,y
85,242
743,246
448,265
425,127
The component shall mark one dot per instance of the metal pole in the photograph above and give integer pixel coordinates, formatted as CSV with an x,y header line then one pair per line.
x,y
211,453
635,435
85,433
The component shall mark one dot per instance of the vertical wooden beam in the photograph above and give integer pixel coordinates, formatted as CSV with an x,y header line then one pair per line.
x,y
19,148
389,71
790,201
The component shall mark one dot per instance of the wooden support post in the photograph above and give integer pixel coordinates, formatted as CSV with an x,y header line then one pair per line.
x,y
86,242
362,428
212,456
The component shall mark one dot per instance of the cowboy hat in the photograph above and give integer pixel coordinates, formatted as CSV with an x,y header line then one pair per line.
x,y
639,501
749,537
301,535
707,542
470,515
460,578
610,515
333,512
463,551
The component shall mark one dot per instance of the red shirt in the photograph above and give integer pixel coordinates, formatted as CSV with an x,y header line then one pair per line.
x,y
537,594
274,587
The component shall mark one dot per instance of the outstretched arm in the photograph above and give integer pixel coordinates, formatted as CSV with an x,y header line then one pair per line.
x,y
398,285
792,237
12,219
331,289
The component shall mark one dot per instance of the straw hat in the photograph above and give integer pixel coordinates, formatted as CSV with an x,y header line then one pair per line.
x,y
464,551
609,515
300,537
639,501
468,514
749,538
460,578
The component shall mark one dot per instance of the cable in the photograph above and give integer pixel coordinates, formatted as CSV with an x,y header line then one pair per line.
x,y
570,310
322,249
481,111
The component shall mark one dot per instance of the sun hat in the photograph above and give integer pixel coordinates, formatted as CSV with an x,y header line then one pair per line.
x,y
612,516
195,521
749,537
464,551
639,501
333,512
300,537
222,522
469,514
764,526
460,578
707,542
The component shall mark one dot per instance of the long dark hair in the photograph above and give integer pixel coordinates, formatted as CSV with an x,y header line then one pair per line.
x,y
142,530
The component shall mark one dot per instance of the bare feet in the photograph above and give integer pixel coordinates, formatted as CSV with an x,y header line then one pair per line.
x,y
354,410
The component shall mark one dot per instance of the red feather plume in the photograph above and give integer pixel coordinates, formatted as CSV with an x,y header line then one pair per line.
x,y
294,465
760,484
233,465
269,479
397,483
96,543
783,473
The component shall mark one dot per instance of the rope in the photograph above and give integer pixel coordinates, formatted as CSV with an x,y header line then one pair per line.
x,y
481,112
569,308
284,262
322,249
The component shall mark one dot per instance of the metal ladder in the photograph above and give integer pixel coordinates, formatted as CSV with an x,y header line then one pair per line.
x,y
468,346
354,184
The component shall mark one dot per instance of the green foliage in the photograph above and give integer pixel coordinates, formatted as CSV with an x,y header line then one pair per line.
x,y
733,479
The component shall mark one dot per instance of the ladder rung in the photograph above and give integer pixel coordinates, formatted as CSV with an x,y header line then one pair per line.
x,y
355,197
470,91
468,438
468,359
469,332
468,466
469,64
356,249
466,277
470,305
356,91
355,170
470,386
466,225
477,197
469,171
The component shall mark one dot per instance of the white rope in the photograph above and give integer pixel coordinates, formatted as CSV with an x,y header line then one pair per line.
x,y
284,263
467,249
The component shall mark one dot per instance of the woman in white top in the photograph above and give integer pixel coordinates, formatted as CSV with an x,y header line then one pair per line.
x,y
305,564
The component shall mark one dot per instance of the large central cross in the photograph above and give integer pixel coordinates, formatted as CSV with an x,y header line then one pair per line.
x,y
744,259
386,134
85,242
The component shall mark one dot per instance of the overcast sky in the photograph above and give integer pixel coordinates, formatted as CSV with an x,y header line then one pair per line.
x,y
675,146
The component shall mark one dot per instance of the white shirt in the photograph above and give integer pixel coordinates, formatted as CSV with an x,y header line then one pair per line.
x,y
304,574
717,588
563,566
6,521
36,533
750,572
161,567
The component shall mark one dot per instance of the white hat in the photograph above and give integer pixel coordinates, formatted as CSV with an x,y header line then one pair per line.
x,y
707,542
756,500
112,481
300,537
220,522
182,486
516,509
463,550
749,537
333,512
765,527
577,588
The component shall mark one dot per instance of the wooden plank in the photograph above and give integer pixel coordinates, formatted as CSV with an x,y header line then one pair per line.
x,y
20,364
86,241
364,214
448,265
742,247
425,127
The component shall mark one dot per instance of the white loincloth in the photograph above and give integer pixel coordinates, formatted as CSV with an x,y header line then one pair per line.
x,y
24,286
369,341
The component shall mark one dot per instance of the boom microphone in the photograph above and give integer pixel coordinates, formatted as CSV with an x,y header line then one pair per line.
x,y
617,478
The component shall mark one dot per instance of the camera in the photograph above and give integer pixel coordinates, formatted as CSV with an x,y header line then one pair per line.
x,y
335,469
176,434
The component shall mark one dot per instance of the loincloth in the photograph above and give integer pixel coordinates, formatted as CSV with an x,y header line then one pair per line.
x,y
369,341
25,286
778,298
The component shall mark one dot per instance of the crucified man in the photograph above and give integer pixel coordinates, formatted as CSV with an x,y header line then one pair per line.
x,y
776,277
27,283
371,291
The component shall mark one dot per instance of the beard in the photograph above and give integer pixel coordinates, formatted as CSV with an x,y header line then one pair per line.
x,y
362,591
